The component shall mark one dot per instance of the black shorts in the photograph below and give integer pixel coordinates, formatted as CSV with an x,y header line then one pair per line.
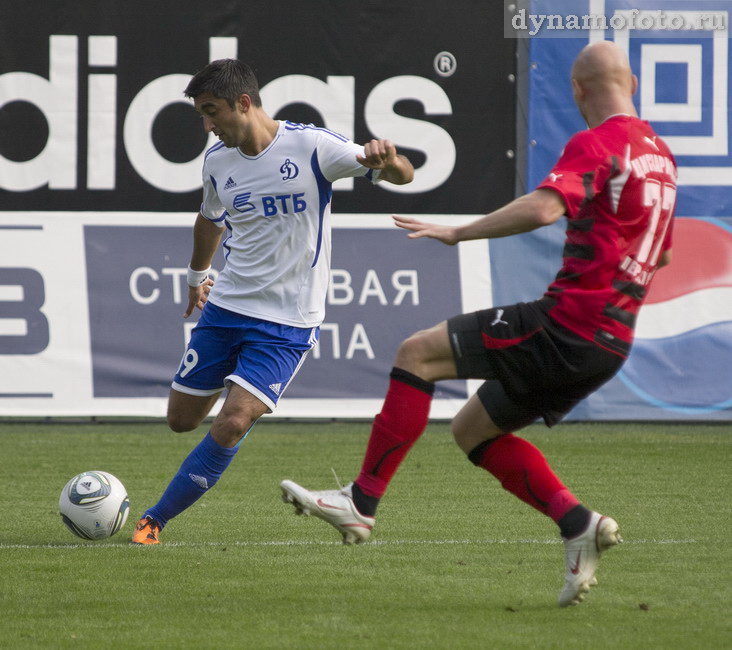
x,y
534,367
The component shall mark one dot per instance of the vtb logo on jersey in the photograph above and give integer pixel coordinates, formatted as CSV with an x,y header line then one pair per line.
x,y
242,203
289,170
269,206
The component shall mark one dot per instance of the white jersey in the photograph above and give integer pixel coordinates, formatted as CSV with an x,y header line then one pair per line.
x,y
276,209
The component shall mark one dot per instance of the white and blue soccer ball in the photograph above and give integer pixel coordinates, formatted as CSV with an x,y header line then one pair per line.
x,y
94,505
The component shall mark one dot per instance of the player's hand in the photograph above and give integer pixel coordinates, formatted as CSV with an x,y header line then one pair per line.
x,y
445,234
198,297
378,154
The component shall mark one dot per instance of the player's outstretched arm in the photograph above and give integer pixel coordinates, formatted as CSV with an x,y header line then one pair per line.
x,y
382,154
445,234
539,208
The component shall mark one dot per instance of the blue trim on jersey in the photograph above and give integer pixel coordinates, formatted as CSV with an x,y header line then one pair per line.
x,y
221,218
325,193
294,126
225,244
215,147
213,182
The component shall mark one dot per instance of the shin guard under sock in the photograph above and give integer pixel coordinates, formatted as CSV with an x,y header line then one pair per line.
x,y
199,472
401,422
522,470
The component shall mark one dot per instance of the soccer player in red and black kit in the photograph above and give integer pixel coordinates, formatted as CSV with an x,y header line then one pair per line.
x,y
616,184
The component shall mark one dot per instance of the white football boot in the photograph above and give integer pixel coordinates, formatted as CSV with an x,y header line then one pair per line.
x,y
582,554
334,506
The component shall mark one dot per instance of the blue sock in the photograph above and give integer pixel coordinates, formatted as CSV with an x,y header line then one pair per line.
x,y
199,472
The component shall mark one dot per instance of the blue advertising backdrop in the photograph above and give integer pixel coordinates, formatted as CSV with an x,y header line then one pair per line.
x,y
680,365
381,291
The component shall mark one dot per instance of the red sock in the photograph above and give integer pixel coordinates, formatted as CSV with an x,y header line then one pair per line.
x,y
523,471
401,422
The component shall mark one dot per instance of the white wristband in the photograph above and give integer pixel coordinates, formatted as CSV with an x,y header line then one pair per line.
x,y
197,278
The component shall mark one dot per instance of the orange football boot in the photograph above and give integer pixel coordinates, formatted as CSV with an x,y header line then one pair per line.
x,y
146,531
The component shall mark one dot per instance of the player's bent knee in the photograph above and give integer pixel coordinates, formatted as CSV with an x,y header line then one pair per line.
x,y
471,444
428,355
412,352
461,437
180,424
472,426
231,427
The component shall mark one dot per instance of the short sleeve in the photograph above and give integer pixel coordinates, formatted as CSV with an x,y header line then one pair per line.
x,y
211,207
337,158
569,176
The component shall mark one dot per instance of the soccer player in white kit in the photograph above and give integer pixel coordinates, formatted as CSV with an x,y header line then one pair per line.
x,y
267,188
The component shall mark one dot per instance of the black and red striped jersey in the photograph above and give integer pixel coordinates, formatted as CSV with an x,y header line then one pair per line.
x,y
618,182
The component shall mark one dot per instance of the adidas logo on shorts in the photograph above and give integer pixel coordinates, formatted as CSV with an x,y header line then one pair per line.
x,y
275,388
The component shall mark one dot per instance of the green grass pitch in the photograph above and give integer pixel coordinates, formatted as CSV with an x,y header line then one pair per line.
x,y
454,562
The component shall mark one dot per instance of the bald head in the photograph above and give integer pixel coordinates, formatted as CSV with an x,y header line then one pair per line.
x,y
602,63
603,82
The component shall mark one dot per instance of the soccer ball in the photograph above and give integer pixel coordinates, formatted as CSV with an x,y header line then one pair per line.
x,y
94,505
